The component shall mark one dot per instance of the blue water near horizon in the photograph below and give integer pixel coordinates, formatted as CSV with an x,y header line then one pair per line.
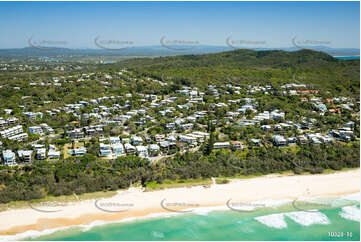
x,y
347,57
338,216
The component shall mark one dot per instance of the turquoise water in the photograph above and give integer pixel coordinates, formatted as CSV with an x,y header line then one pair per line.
x,y
267,223
348,57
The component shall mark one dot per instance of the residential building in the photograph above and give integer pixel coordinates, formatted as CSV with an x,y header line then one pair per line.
x,y
118,149
53,154
279,140
142,150
78,151
154,149
130,149
221,145
41,154
9,157
36,130
236,145
11,131
25,155
136,140
105,149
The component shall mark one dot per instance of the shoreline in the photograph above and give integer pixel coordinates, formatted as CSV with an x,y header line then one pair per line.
x,y
274,189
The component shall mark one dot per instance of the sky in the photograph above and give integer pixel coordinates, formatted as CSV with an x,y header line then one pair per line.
x,y
261,24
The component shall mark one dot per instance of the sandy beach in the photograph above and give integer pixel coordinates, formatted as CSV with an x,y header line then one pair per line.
x,y
136,203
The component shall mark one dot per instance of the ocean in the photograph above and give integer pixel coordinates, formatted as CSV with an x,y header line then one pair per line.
x,y
347,57
303,220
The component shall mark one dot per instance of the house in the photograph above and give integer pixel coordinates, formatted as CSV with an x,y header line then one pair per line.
x,y
188,139
277,115
12,120
41,153
19,137
167,145
47,128
105,149
11,131
53,154
25,155
78,151
277,127
118,149
36,130
130,149
292,140
159,137
187,126
171,139
142,150
114,140
8,157
236,145
136,140
221,145
75,134
279,140
154,149
204,135
170,125
302,139
32,115
266,127
246,123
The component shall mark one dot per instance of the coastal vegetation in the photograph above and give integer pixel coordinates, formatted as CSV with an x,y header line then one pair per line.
x,y
87,174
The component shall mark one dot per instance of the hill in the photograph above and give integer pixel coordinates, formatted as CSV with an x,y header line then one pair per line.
x,y
246,66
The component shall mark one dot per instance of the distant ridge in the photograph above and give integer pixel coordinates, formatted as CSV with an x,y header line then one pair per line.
x,y
238,58
156,51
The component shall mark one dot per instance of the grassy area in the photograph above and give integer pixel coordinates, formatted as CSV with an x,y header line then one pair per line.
x,y
60,199
152,186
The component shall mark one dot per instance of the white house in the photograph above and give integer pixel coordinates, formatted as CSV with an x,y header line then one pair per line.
x,y
279,140
105,149
130,149
136,140
153,149
25,155
118,149
221,145
9,157
142,150
36,130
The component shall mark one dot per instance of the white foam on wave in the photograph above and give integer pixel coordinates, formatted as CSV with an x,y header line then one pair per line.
x,y
125,220
304,218
307,218
157,234
351,213
352,197
276,220
30,234
206,210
